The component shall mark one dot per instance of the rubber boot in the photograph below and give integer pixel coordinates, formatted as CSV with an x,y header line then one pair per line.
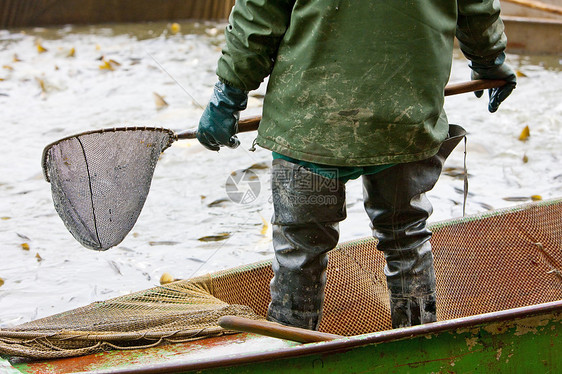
x,y
307,209
396,204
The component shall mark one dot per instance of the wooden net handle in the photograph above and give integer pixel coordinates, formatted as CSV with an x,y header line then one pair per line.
x,y
274,330
534,4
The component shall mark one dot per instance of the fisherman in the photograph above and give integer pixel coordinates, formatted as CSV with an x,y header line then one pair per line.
x,y
355,89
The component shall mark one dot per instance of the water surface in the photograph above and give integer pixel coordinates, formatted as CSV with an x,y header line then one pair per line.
x,y
46,96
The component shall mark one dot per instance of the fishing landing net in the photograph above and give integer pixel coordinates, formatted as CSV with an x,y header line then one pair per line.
x,y
485,263
100,180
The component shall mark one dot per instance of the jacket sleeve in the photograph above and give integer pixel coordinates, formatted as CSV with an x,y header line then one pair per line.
x,y
480,30
253,34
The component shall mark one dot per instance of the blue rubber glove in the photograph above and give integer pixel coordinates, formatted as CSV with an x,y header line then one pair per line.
x,y
219,123
496,70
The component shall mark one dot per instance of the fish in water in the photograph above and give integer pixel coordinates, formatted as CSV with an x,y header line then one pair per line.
x,y
215,238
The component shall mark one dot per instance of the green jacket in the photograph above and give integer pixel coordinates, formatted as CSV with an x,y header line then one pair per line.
x,y
355,83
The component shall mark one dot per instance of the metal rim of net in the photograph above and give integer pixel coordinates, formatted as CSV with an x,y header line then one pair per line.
x,y
45,154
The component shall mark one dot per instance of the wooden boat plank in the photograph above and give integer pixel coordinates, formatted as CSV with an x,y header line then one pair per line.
x,y
528,30
533,35
510,8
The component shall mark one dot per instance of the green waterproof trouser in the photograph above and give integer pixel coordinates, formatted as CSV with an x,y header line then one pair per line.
x,y
342,173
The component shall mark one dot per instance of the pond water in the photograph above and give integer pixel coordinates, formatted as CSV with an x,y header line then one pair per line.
x,y
97,77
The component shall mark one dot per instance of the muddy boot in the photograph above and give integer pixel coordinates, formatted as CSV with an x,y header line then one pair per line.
x,y
307,209
398,209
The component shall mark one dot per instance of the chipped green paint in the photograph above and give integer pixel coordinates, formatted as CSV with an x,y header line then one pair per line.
x,y
471,342
496,342
531,325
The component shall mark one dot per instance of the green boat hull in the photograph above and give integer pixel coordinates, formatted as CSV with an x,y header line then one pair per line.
x,y
521,340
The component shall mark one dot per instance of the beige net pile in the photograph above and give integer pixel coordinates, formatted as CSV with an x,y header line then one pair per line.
x,y
491,262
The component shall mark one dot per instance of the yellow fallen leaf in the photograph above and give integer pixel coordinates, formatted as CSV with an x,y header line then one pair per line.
x,y
159,101
16,58
39,258
42,85
519,73
41,49
106,65
264,227
183,144
5,218
25,246
525,159
536,197
525,134
7,67
166,278
71,53
98,47
175,28
1,282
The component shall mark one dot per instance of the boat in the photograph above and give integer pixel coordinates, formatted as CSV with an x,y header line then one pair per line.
x,y
32,13
530,27
521,340
499,290
533,36
533,27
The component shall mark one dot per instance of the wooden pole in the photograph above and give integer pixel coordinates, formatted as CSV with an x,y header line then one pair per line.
x,y
274,330
470,86
535,4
